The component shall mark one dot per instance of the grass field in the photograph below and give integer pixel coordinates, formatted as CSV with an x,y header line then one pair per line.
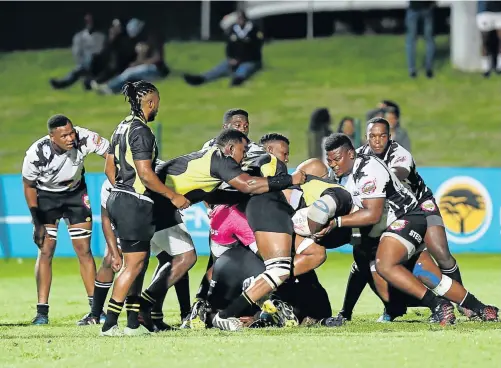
x,y
347,74
362,343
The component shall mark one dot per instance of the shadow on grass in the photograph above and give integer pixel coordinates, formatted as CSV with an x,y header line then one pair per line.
x,y
20,324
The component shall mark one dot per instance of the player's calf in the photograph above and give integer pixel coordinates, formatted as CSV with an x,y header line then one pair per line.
x,y
133,265
437,245
444,286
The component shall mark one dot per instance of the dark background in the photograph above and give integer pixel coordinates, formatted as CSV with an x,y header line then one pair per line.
x,y
38,25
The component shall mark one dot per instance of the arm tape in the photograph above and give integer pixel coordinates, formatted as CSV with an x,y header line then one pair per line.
x,y
279,182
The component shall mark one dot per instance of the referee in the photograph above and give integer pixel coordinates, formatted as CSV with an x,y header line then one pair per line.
x,y
54,187
131,166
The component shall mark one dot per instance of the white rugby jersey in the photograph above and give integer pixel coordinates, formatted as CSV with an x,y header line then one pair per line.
x,y
55,172
371,178
397,156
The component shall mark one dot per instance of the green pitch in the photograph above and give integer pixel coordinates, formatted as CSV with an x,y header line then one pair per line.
x,y
412,342
347,74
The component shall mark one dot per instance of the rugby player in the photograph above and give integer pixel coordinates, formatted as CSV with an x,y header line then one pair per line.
x,y
401,162
111,263
273,143
131,165
197,175
235,268
237,119
54,188
269,216
383,199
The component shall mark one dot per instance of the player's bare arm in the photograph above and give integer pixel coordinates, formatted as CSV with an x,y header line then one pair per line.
x,y
110,168
400,172
30,193
258,185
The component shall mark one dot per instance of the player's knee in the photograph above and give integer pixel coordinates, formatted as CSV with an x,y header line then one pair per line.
x,y
106,263
436,243
277,271
320,257
383,268
188,259
47,251
82,250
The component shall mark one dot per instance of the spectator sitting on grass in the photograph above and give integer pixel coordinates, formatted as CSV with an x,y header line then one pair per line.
x,y
115,58
149,64
243,55
86,44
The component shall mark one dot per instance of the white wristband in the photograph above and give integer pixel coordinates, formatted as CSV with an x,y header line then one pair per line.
x,y
338,221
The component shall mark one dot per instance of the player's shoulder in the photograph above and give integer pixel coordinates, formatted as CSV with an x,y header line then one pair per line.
x,y
138,128
396,148
209,144
367,165
39,145
365,149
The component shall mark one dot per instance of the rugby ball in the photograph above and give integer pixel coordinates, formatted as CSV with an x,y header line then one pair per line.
x,y
300,221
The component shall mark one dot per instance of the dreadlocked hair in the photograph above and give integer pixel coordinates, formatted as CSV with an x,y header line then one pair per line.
x,y
134,93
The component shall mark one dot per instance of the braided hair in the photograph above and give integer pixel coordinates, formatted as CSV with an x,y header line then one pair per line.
x,y
134,93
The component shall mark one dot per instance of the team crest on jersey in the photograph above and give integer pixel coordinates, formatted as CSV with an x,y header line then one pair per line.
x,y
428,206
86,201
369,187
398,225
97,140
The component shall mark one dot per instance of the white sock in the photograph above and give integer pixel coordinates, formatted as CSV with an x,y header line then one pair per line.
x,y
498,66
486,63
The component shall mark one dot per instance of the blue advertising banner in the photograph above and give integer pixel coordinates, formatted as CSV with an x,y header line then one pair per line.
x,y
469,199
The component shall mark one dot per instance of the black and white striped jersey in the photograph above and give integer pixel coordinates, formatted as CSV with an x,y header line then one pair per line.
x,y
371,178
59,172
398,156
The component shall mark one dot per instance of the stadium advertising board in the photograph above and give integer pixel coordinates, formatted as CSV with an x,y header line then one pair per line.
x,y
469,200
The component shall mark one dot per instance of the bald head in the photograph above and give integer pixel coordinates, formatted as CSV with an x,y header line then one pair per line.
x,y
315,167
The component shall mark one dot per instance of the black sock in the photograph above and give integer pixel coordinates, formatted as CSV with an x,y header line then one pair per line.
x,y
146,300
236,307
183,295
156,310
43,308
132,307
356,284
100,293
430,300
454,273
472,303
157,316
203,290
114,309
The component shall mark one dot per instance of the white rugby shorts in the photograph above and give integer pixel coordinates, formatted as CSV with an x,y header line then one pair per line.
x,y
173,240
